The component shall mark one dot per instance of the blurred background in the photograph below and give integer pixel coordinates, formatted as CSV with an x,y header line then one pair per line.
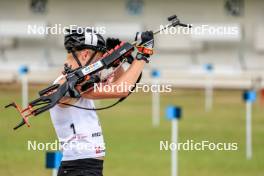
x,y
236,59
230,64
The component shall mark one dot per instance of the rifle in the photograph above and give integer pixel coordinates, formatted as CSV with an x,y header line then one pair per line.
x,y
86,75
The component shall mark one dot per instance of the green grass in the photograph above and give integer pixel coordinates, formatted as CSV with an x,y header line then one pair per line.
x,y
132,143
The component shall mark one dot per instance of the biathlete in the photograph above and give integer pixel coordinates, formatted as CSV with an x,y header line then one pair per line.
x,y
79,131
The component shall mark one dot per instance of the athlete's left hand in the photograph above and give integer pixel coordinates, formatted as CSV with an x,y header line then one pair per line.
x,y
111,43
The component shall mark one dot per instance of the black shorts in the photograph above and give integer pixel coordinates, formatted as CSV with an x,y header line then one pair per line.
x,y
81,167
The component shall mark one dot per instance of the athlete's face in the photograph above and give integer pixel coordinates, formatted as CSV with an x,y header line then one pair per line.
x,y
84,57
87,56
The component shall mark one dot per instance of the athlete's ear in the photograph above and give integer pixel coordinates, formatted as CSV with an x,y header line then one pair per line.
x,y
85,54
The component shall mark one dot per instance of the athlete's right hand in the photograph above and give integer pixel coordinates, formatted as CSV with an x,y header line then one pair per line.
x,y
145,47
145,37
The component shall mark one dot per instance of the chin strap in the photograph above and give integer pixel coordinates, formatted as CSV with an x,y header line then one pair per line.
x,y
79,62
91,59
76,58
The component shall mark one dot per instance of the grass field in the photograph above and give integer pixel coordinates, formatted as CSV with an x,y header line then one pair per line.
x,y
132,143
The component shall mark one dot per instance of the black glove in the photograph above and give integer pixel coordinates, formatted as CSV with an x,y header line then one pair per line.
x,y
111,43
143,37
146,44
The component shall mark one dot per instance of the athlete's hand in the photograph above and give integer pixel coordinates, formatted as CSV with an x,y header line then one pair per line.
x,y
111,43
145,37
145,47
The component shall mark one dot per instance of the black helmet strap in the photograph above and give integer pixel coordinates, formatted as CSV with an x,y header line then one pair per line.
x,y
91,59
78,61
76,58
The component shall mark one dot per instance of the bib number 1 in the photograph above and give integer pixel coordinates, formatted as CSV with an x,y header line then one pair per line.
x,y
73,128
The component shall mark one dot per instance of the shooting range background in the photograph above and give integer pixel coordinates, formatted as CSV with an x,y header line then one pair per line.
x,y
133,144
